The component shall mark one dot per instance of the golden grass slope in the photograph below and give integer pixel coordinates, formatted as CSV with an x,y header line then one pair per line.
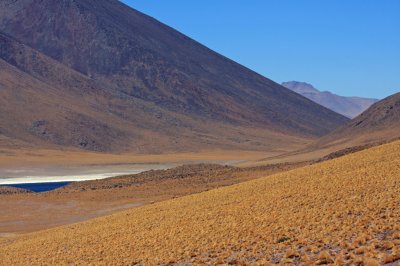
x,y
344,211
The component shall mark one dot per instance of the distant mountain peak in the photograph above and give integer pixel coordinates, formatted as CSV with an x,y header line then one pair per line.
x,y
300,87
347,106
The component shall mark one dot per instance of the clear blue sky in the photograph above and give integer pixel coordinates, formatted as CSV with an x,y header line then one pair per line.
x,y
350,47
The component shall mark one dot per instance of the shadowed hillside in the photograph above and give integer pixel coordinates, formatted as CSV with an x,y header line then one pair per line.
x,y
106,77
380,123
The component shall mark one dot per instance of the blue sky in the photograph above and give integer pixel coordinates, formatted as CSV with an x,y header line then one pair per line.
x,y
350,47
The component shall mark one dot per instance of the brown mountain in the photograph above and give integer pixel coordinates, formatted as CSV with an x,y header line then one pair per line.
x,y
380,123
99,75
347,106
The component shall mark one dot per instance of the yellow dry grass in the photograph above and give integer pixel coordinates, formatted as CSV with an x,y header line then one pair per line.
x,y
344,211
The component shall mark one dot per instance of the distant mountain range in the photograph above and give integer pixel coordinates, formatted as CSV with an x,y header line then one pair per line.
x,y
98,75
347,106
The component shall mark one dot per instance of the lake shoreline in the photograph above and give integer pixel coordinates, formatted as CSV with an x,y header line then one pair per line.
x,y
31,175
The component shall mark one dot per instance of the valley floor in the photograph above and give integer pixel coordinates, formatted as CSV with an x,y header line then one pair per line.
x,y
17,158
28,212
344,211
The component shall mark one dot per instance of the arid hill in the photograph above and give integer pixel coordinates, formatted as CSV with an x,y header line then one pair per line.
x,y
4,190
80,201
380,123
344,211
101,76
347,106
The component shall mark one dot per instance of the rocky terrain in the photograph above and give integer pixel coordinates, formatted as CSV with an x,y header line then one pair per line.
x,y
271,177
4,190
100,76
202,174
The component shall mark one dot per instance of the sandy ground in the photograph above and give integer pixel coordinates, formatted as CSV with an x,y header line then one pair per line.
x,y
31,212
25,158
81,201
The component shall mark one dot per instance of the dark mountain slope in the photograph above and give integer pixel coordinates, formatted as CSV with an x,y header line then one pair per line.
x,y
380,123
347,106
139,81
81,112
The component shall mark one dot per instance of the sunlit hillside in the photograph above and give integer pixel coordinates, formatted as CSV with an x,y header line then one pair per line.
x,y
345,210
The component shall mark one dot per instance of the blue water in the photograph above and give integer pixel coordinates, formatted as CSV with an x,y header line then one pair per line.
x,y
40,187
